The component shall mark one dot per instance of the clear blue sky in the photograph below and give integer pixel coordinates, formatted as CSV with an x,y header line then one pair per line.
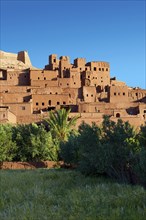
x,y
112,31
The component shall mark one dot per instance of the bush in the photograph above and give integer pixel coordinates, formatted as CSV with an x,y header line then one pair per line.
x,y
91,152
120,144
139,166
69,151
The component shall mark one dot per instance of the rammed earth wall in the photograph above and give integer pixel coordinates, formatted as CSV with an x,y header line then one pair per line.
x,y
29,165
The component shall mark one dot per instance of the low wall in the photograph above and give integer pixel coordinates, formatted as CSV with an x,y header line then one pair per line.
x,y
29,165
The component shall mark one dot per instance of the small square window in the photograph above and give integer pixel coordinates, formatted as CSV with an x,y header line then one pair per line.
x,y
92,95
114,93
64,103
74,83
102,69
106,69
87,95
58,103
38,77
94,68
43,103
118,93
123,93
37,103
23,107
44,78
99,69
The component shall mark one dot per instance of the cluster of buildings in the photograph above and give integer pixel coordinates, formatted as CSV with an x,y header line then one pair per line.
x,y
27,93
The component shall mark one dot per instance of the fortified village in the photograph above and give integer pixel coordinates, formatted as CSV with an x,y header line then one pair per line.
x,y
27,93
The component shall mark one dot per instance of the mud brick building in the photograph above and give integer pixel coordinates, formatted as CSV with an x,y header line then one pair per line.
x,y
27,93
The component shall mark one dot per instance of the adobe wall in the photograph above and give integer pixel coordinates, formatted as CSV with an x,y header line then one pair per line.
x,y
14,89
7,116
73,94
16,77
44,83
48,90
97,118
137,94
117,83
29,165
118,94
89,93
14,97
23,56
6,55
44,101
43,75
20,109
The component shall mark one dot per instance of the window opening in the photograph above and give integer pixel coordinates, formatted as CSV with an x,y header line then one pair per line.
x,y
118,115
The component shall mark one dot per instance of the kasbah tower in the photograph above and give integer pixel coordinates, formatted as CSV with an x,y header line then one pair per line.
x,y
27,93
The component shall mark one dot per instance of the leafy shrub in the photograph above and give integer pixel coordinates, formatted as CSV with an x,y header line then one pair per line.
x,y
7,146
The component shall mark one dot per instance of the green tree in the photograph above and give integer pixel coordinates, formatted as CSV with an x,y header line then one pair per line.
x,y
7,145
61,125
69,151
34,143
91,152
121,145
140,158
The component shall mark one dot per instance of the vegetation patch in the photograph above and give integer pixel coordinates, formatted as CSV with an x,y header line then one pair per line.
x,y
60,194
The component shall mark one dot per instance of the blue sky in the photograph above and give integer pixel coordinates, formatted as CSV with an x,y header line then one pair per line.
x,y
112,31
